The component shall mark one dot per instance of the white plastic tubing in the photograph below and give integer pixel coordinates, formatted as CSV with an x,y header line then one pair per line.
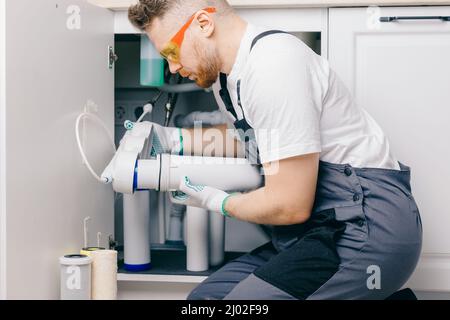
x,y
227,174
80,145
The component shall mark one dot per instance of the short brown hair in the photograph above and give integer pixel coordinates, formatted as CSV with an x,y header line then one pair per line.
x,y
142,14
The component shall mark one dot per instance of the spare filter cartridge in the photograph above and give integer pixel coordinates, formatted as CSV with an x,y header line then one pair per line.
x,y
87,251
104,275
75,277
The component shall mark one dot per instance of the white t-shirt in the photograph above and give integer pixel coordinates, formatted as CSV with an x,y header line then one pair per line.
x,y
297,105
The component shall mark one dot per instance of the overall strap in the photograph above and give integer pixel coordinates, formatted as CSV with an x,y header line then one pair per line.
x,y
225,94
265,34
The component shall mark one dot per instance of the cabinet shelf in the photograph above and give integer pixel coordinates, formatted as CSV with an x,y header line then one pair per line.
x,y
133,277
170,266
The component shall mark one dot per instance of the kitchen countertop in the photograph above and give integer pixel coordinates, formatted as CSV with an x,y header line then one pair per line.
x,y
124,4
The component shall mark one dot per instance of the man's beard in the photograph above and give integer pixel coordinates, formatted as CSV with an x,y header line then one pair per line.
x,y
209,67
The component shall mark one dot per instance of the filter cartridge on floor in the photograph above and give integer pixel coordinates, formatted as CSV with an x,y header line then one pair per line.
x,y
197,250
216,239
89,250
104,275
175,235
75,277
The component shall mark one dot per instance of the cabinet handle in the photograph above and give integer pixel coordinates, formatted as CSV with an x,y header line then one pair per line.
x,y
393,19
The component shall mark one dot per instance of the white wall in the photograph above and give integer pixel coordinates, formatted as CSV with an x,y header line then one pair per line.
x,y
2,153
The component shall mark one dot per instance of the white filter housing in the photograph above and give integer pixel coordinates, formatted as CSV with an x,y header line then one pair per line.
x,y
166,171
227,174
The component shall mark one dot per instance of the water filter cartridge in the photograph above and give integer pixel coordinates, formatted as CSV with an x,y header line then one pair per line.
x,y
104,275
227,174
216,239
175,235
87,251
136,231
75,277
197,250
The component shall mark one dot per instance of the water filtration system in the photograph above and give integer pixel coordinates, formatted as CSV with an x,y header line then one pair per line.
x,y
75,277
134,170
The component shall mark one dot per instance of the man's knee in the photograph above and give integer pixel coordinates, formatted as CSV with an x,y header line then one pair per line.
x,y
208,292
197,294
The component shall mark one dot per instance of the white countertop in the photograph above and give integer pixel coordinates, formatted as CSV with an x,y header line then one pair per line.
x,y
124,4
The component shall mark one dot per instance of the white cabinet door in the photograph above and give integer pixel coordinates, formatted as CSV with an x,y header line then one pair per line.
x,y
399,72
302,22
56,61
2,153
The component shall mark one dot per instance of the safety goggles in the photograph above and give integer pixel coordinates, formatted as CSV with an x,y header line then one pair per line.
x,y
172,49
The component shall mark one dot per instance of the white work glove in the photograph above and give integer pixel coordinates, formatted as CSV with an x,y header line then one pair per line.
x,y
166,140
200,196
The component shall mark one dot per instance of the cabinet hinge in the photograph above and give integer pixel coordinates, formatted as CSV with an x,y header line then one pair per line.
x,y
112,57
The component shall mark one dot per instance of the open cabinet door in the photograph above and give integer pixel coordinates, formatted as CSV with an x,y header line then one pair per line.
x,y
56,64
2,155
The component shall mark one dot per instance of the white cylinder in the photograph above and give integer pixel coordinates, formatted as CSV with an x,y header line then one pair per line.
x,y
228,174
162,217
175,235
104,275
197,249
136,226
75,277
87,251
216,239
124,175
148,174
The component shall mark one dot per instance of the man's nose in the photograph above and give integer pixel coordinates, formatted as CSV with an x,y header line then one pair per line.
x,y
174,67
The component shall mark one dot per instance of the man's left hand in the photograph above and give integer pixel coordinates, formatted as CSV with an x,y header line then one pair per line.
x,y
200,196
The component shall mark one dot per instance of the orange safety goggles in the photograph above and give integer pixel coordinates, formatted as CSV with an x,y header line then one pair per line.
x,y
172,49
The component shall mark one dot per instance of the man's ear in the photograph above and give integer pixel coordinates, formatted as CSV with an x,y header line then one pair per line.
x,y
205,22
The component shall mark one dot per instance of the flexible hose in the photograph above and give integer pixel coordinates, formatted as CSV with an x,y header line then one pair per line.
x,y
80,147
180,88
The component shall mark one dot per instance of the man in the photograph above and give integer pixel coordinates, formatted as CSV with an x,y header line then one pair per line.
x,y
344,222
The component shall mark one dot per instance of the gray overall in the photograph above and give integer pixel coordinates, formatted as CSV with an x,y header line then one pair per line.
x,y
363,241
